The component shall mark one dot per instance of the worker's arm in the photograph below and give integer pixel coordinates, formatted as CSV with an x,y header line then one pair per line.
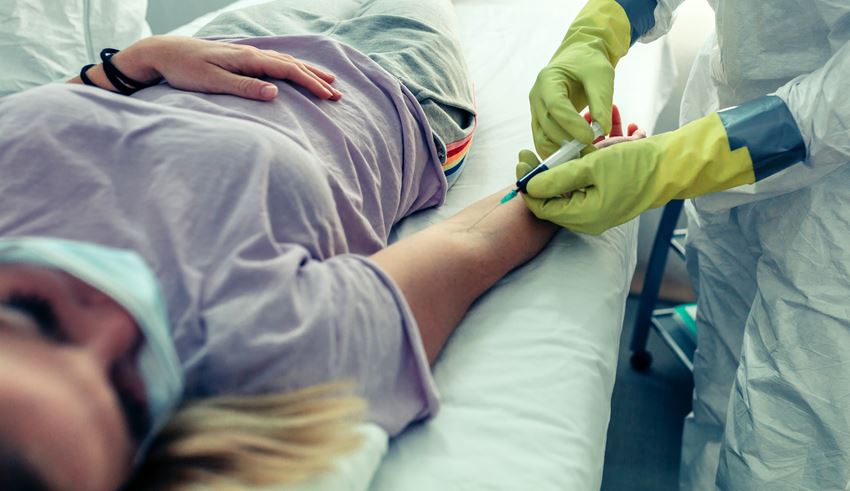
x,y
213,67
820,108
717,152
581,72
649,19
800,131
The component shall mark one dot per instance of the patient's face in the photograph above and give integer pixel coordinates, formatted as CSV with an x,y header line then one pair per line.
x,y
70,394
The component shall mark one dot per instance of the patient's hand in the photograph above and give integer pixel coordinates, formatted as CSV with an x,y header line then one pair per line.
x,y
616,136
635,133
216,67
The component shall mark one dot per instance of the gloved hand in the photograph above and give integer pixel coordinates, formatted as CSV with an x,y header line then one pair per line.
x,y
623,180
527,162
580,73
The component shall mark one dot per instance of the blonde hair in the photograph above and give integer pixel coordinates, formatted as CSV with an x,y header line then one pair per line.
x,y
236,442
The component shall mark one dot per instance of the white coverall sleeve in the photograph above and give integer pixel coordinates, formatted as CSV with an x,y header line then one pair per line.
x,y
820,106
664,16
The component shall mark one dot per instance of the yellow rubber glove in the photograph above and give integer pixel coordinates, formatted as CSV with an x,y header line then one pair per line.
x,y
623,180
527,162
581,73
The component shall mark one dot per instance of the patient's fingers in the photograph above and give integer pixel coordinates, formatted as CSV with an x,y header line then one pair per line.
x,y
295,73
613,141
327,77
287,67
636,135
225,82
314,84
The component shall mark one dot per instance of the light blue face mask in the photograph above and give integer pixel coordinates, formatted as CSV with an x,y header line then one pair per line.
x,y
124,276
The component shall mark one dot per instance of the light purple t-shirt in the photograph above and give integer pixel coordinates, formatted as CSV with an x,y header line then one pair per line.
x,y
255,216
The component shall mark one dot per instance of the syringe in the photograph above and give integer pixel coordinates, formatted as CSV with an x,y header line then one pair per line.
x,y
569,150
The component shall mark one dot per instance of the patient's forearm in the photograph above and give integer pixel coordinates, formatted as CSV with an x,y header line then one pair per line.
x,y
503,235
443,269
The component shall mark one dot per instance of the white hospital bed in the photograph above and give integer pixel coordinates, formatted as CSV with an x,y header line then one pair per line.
x,y
526,380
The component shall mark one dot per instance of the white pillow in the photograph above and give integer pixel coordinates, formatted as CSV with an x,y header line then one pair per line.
x,y
43,41
352,472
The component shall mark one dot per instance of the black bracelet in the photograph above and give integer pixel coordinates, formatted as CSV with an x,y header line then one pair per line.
x,y
85,78
121,82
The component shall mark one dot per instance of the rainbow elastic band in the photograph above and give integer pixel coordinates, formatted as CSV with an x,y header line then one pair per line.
x,y
456,154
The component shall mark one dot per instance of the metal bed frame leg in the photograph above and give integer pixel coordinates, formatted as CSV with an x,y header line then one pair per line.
x,y
641,359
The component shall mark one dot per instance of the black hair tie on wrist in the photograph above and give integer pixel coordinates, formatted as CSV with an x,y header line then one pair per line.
x,y
85,78
121,82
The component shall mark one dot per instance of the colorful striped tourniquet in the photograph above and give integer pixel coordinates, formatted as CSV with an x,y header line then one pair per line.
x,y
456,155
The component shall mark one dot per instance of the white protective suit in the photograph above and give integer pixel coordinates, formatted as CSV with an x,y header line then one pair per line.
x,y
771,261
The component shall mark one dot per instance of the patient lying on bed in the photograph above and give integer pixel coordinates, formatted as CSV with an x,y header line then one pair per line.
x,y
262,217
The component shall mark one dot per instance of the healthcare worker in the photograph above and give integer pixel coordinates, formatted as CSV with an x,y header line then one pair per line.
x,y
763,155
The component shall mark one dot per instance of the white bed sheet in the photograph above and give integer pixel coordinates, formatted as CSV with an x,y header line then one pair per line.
x,y
526,380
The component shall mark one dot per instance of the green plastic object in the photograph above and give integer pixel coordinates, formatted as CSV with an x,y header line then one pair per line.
x,y
509,196
687,312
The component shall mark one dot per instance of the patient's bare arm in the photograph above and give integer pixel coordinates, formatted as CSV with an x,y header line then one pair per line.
x,y
444,268
213,67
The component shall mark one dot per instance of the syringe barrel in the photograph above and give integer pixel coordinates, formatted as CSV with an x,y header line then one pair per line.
x,y
568,151
522,182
